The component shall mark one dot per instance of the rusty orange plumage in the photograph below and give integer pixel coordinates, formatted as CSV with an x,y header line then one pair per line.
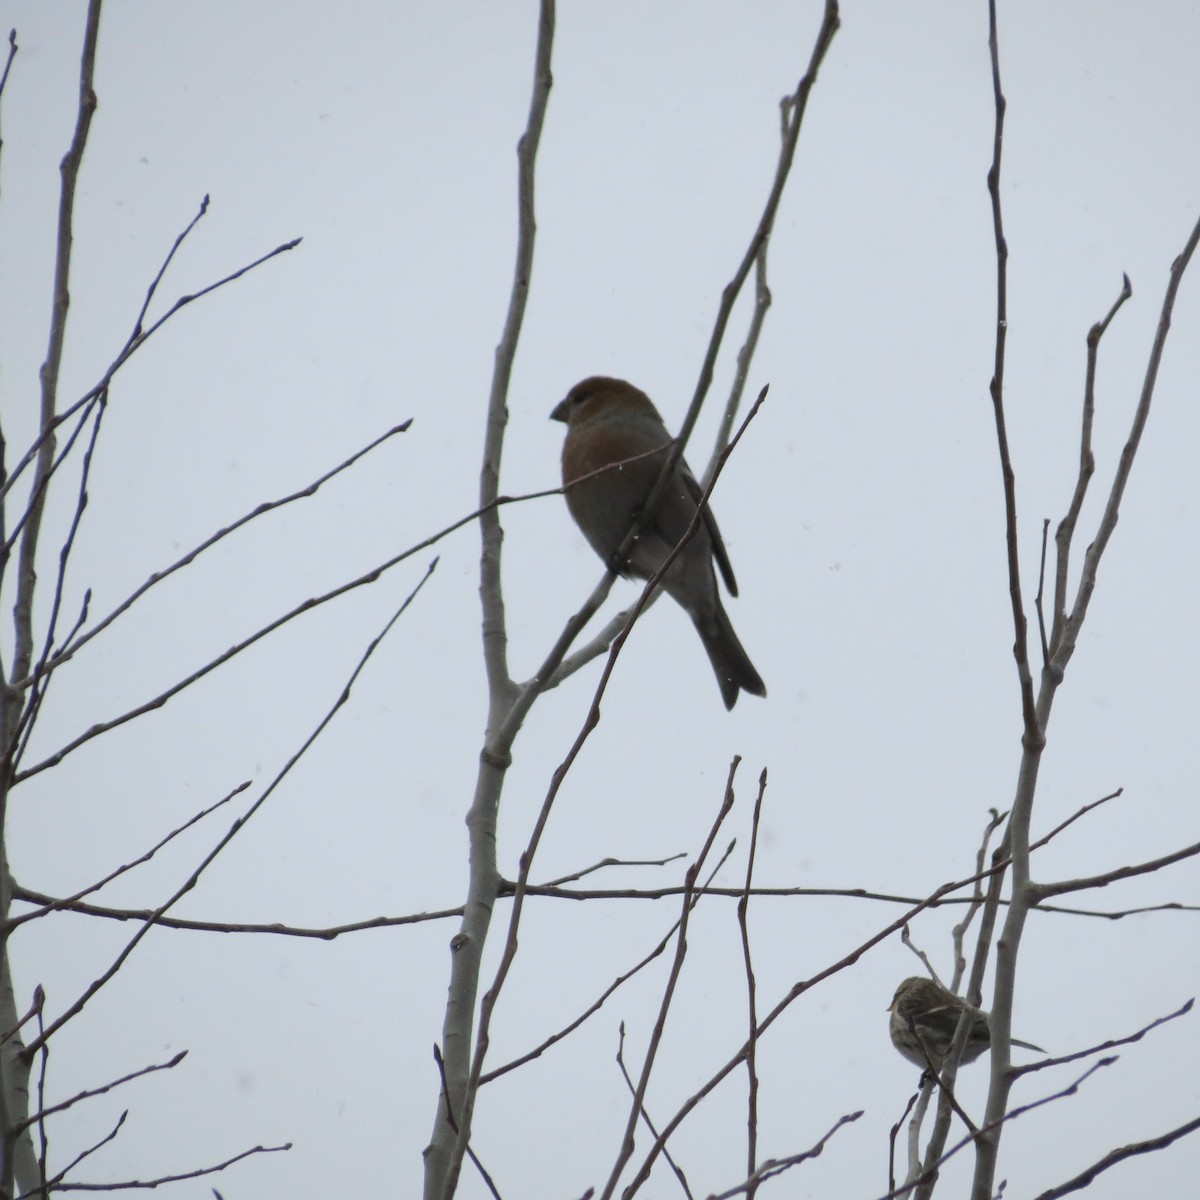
x,y
611,422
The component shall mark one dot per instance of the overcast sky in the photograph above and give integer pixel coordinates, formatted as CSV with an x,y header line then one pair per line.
x,y
862,512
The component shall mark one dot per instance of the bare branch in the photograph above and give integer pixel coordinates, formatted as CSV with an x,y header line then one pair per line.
x,y
444,1153
1087,808
675,1167
1168,906
91,1093
484,1174
69,172
929,1176
36,1008
72,648
1065,646
614,862
777,1166
1065,533
42,483
162,270
45,438
71,902
743,912
1041,890
132,1184
977,901
794,993
625,1153
329,932
1084,1178
508,731
600,1000
996,388
326,934
906,939
1039,599
85,1154
234,650
794,108
762,302
509,704
1042,1064
918,1105
234,829
8,62
38,696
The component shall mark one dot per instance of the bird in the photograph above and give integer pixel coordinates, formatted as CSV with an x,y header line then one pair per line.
x,y
609,421
924,1018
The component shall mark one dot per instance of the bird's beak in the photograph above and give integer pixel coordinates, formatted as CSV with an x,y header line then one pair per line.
x,y
559,412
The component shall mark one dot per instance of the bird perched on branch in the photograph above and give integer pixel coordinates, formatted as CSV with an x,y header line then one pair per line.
x,y
611,424
924,1018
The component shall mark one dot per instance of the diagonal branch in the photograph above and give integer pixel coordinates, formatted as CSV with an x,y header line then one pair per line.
x,y
233,831
996,388
1108,521
1065,532
1040,890
1161,1142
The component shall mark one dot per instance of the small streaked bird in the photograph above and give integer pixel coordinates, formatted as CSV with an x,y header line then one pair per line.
x,y
611,424
924,1018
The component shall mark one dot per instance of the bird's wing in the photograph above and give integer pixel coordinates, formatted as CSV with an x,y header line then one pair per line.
x,y
714,534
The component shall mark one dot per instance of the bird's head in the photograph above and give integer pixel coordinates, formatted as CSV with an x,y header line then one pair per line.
x,y
600,395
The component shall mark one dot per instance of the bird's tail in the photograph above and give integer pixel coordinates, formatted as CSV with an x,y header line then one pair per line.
x,y
730,663
1027,1045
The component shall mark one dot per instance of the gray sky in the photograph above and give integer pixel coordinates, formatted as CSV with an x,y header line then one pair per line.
x,y
862,511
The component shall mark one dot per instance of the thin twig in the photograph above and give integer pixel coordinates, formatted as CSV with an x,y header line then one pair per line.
x,y
85,1154
310,489
45,437
162,270
777,1166
1087,808
1161,1142
996,388
237,826
70,902
675,1167
1040,890
604,996
614,862
906,940
144,1184
91,1093
330,932
484,1174
745,355
1042,1064
977,899
180,685
625,1152
743,912
930,1174
69,173
1065,532
793,994
38,695
1039,599
162,921
1065,646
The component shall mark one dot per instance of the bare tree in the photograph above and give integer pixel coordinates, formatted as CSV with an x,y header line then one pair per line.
x,y
995,899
